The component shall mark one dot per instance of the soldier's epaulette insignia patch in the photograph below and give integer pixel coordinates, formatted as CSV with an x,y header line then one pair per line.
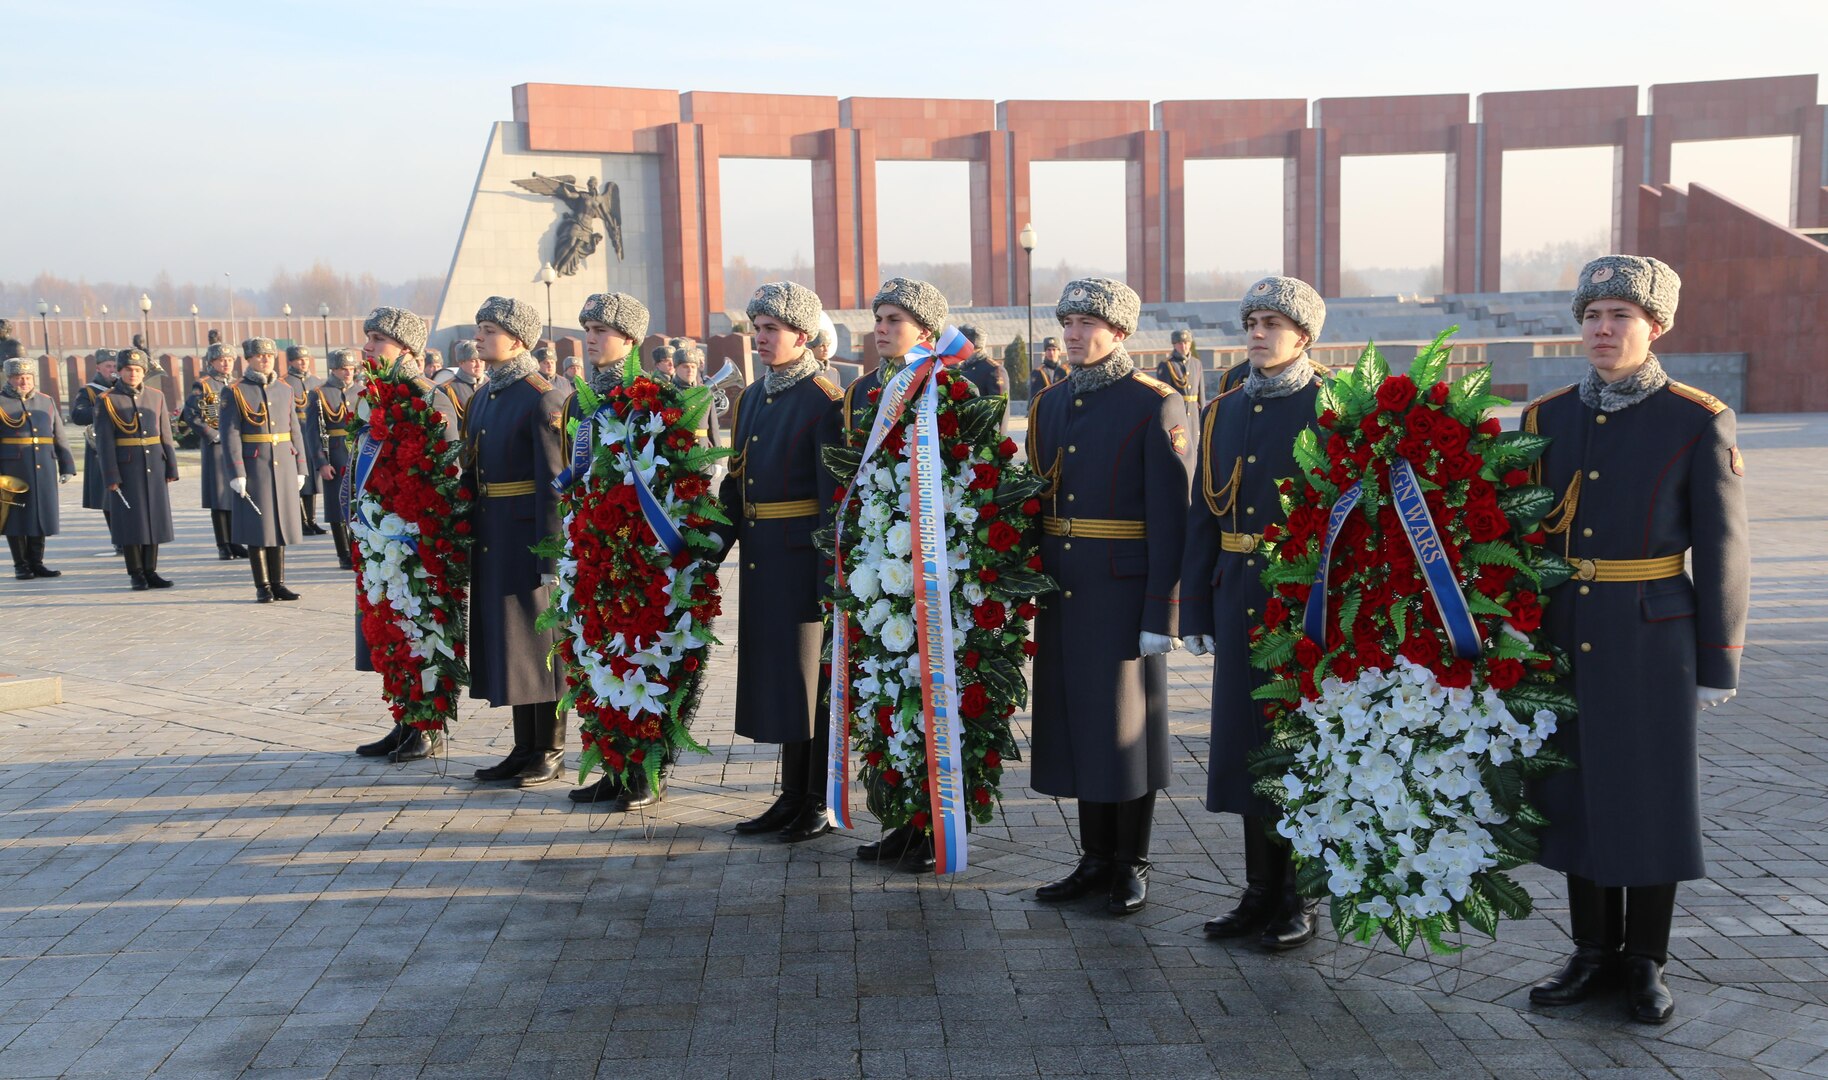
x,y
831,388
1697,395
1551,394
420,383
1177,438
1154,384
1225,393
1738,462
538,382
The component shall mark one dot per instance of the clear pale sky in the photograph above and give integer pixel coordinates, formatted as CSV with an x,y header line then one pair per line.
x,y
201,138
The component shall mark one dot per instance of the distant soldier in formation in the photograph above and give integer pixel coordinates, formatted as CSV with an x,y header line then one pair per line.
x,y
1652,515
546,361
984,370
690,372
302,381
664,366
203,412
138,462
1114,447
32,452
434,365
774,494
1183,371
1246,445
83,409
514,443
327,421
660,354
465,376
1050,370
263,442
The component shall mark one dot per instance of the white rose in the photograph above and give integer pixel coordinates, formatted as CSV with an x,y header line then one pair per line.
x,y
896,577
897,633
900,538
864,584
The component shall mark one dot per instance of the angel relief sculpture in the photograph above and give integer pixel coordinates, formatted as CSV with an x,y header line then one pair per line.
x,y
578,236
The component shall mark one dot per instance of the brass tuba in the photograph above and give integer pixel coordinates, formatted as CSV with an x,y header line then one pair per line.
x,y
729,376
12,493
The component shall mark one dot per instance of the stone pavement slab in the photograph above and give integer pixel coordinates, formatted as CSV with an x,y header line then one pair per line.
x,y
197,879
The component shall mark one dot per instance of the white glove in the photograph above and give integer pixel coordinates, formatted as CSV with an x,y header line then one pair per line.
x,y
1709,696
549,581
301,483
66,478
239,485
1155,644
1200,644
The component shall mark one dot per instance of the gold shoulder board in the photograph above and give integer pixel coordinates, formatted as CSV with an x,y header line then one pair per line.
x,y
1154,384
1699,396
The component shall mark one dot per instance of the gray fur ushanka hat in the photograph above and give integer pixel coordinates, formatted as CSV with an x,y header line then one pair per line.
x,y
218,351
258,346
299,352
921,299
1103,298
16,365
130,358
463,350
1646,282
403,326
619,311
517,317
787,302
1289,297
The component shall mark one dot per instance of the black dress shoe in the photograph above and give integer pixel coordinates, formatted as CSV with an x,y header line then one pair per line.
x,y
1129,888
786,807
1645,991
891,847
1093,874
140,584
604,788
1249,917
812,821
41,570
280,592
1590,968
542,767
1293,926
386,744
23,573
239,551
416,746
223,553
312,528
641,794
155,581
507,768
263,595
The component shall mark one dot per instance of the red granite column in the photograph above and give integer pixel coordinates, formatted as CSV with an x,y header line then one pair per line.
x,y
1628,173
1303,198
681,194
869,273
1143,216
1174,229
1460,257
1810,206
990,220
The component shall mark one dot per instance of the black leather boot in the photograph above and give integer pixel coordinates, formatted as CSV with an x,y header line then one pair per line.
x,y
1263,871
1596,918
1646,993
218,524
263,588
641,792
149,556
276,573
785,808
34,546
812,820
605,788
548,758
509,767
416,746
893,845
1130,868
1649,909
136,567
386,744
22,565
339,535
1296,918
308,504
1098,840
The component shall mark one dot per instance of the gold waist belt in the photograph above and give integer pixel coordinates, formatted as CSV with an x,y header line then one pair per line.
x,y
337,431
150,440
507,490
1240,542
27,440
1095,528
1628,569
277,436
769,511
700,433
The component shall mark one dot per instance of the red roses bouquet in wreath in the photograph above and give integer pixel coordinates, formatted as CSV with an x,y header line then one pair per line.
x,y
983,553
409,528
1410,694
636,592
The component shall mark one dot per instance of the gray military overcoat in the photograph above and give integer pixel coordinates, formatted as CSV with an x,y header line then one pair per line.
x,y
33,449
82,415
263,441
142,470
215,474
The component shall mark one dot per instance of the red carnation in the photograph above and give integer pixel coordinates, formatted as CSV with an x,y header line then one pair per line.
x,y
1396,394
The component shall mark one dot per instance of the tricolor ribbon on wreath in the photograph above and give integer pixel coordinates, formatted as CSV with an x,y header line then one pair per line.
x,y
1443,589
914,385
665,532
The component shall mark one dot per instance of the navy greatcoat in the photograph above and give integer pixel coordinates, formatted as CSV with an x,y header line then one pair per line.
x,y
1120,453
1657,478
779,440
263,441
134,445
82,414
216,473
33,449
514,446
1245,447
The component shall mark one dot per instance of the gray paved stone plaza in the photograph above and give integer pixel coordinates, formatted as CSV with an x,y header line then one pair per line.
x,y
197,879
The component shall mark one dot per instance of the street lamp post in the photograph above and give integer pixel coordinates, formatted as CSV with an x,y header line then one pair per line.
x,y
44,324
57,310
323,312
196,337
104,326
286,310
233,336
1027,240
548,275
146,325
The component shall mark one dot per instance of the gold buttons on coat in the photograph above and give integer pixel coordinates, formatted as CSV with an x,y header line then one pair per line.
x,y
1256,408
1252,459
1250,509
1586,646
1584,590
1078,402
1069,545
1072,449
1594,475
1068,594
1600,419
1070,497
1586,532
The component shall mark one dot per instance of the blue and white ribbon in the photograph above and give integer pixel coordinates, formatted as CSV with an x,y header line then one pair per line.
x,y
356,480
582,446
